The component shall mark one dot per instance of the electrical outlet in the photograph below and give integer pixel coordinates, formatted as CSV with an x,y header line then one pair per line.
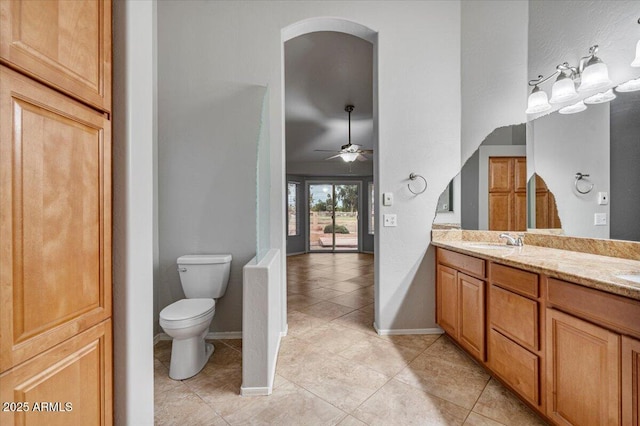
x,y
603,198
387,199
600,219
390,220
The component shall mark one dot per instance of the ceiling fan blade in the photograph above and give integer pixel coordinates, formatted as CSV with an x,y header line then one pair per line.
x,y
361,157
365,151
332,157
326,150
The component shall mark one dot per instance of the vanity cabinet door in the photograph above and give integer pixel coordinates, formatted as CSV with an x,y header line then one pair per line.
x,y
447,300
583,372
630,381
471,292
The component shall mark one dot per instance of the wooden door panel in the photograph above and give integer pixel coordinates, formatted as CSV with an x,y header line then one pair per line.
x,y
56,220
471,315
447,300
501,211
520,174
514,316
75,377
519,212
542,210
630,381
583,372
66,44
500,174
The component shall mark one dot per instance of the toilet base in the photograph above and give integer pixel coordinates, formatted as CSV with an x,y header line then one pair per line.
x,y
189,356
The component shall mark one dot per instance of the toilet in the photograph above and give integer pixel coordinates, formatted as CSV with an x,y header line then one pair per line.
x,y
204,279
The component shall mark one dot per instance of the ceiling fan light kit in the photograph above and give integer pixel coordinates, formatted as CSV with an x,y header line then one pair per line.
x,y
350,151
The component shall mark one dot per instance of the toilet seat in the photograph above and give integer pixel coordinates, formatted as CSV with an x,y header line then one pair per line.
x,y
187,312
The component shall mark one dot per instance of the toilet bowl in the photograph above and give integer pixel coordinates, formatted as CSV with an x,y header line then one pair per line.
x,y
204,278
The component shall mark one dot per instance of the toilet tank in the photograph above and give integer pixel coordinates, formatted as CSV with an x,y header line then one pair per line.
x,y
204,275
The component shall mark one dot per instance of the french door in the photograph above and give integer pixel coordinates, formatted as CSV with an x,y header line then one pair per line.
x,y
334,222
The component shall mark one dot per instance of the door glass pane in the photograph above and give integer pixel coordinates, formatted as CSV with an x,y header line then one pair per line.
x,y
346,206
292,208
320,217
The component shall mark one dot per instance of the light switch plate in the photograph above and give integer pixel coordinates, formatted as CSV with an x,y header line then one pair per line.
x,y
387,199
600,219
390,220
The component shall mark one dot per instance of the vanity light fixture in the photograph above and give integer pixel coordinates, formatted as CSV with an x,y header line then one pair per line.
x,y
591,74
629,86
600,98
573,109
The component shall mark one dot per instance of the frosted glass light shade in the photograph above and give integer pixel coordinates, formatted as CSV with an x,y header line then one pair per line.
x,y
348,157
572,109
636,62
594,76
563,90
629,86
538,101
600,98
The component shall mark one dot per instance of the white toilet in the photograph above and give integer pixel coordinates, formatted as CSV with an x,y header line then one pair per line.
x,y
204,278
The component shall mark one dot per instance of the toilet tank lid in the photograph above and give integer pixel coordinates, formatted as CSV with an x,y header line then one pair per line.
x,y
203,259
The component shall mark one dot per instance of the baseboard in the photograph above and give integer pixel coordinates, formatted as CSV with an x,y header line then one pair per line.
x,y
367,252
264,391
284,333
212,335
296,253
401,331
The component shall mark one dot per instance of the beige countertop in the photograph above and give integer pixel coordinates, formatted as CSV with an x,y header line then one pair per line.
x,y
590,270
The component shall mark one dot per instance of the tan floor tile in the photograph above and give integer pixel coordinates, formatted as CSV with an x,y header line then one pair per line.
x,y
323,293
295,302
353,300
379,355
400,404
333,338
351,421
300,323
182,407
369,309
326,310
343,383
344,286
234,343
454,382
413,341
223,356
444,348
288,405
361,280
476,419
162,351
161,380
359,320
498,403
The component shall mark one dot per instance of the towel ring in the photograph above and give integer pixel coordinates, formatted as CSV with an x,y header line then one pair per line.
x,y
579,177
414,176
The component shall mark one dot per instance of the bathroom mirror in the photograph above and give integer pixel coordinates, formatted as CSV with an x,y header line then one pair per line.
x,y
490,191
603,144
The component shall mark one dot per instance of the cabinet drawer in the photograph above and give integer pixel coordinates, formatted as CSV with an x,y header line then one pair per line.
x,y
516,366
514,316
462,262
615,312
517,280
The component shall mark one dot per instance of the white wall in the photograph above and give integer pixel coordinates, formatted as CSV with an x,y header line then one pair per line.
x,y
215,46
564,145
134,123
494,68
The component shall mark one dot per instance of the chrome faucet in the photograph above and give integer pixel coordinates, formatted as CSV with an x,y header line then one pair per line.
x,y
511,241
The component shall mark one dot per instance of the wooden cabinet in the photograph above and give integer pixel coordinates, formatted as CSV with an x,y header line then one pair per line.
x,y
65,44
630,381
507,194
69,384
55,210
460,301
583,372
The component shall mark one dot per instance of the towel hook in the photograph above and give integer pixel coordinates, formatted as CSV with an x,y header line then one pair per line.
x,y
579,177
414,176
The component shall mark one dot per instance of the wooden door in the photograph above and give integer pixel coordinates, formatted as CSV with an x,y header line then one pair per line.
x,y
65,44
546,209
69,384
507,194
583,372
471,308
55,218
630,381
447,300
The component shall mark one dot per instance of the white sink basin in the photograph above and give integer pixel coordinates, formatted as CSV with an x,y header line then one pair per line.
x,y
488,246
630,277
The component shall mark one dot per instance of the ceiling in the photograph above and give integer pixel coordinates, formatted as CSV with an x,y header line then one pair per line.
x,y
324,72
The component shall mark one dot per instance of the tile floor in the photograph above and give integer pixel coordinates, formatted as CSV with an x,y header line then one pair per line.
x,y
334,369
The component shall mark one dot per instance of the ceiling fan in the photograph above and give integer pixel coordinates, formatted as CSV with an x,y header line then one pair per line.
x,y
351,151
